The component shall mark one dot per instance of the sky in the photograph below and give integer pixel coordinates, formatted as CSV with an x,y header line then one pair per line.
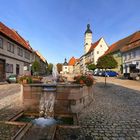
x,y
56,27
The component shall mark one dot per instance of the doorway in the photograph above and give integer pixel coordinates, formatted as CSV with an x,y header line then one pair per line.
x,y
2,70
17,69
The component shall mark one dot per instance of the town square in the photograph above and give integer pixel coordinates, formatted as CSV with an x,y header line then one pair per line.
x,y
69,70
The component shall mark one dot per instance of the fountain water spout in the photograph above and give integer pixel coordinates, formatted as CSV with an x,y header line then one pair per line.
x,y
55,73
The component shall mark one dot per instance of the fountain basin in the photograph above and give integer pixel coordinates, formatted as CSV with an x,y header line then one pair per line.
x,y
69,98
69,119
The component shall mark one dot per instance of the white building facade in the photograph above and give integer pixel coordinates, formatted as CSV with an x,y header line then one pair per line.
x,y
131,58
65,68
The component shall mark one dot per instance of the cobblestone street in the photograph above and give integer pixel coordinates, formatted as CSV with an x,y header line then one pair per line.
x,y
10,100
114,113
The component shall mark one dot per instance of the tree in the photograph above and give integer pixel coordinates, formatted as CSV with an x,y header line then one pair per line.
x,y
91,67
36,67
59,67
106,62
49,69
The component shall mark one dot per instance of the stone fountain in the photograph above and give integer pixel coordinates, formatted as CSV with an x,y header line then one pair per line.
x,y
47,101
53,100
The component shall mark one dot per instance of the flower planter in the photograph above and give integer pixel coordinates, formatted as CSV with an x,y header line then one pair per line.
x,y
24,81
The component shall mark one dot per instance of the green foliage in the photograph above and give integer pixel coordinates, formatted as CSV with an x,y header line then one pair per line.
x,y
91,67
59,67
35,66
49,69
107,62
26,79
29,80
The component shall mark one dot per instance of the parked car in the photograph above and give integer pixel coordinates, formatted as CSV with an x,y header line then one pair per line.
x,y
12,78
110,74
97,73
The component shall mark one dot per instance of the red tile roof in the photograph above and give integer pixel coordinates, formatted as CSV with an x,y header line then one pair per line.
x,y
135,37
72,61
12,34
94,45
117,46
131,46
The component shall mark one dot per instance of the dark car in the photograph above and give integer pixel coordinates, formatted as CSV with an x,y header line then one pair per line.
x,y
110,74
12,78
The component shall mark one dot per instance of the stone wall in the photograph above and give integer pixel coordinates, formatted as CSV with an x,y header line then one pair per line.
x,y
31,98
69,98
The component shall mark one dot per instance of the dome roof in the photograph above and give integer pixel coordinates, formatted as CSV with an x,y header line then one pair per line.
x,y
65,63
88,29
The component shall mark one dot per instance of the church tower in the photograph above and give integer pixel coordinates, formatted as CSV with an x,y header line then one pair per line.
x,y
87,39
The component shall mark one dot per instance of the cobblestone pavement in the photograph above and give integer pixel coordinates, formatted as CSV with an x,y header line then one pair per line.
x,y
8,131
8,89
68,134
114,113
131,84
10,101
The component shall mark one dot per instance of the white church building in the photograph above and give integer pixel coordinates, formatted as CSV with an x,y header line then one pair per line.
x,y
92,51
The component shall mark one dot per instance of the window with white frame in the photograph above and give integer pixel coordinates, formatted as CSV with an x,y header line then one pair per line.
x,y
1,43
19,51
134,54
27,54
129,55
10,47
125,57
9,68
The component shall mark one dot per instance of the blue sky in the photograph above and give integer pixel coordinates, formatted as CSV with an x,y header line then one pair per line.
x,y
56,27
